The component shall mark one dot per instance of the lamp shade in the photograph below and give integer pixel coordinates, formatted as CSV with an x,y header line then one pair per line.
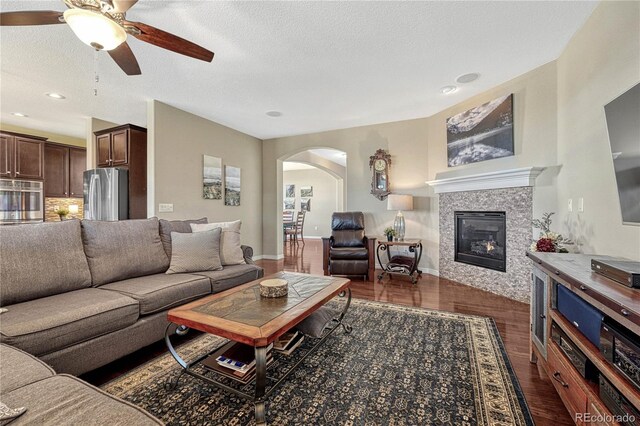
x,y
400,202
95,29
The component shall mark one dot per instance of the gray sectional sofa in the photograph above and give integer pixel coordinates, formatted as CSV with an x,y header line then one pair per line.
x,y
80,294
59,399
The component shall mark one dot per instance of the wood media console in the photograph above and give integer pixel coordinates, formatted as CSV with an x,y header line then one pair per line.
x,y
592,388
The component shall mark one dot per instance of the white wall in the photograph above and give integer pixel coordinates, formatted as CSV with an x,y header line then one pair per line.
x,y
601,62
325,200
178,141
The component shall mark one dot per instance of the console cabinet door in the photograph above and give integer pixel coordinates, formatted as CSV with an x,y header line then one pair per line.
x,y
103,148
120,148
539,312
56,171
6,155
29,157
77,166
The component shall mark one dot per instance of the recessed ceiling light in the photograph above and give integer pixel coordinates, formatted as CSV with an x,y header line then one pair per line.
x,y
448,89
274,113
55,95
19,114
467,78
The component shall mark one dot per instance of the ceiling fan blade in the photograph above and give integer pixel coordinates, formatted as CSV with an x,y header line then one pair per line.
x,y
169,41
121,6
123,56
32,17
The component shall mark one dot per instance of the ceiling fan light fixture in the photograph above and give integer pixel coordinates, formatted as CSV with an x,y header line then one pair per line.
x,y
95,29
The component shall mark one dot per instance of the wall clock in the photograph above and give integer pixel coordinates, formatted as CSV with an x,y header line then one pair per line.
x,y
379,164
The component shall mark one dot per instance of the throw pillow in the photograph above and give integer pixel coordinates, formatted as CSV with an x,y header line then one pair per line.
x,y
8,414
230,250
169,226
195,252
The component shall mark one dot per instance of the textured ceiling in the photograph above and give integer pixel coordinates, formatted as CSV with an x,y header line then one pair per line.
x,y
324,65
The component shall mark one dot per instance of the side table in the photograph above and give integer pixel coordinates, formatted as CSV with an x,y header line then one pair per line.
x,y
400,264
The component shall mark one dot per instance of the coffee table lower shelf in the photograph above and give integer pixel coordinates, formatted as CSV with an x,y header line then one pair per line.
x,y
261,392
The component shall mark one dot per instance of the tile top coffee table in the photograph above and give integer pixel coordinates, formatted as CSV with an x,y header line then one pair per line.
x,y
242,315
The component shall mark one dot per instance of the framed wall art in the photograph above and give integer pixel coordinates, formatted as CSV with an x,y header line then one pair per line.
x,y
211,178
481,133
232,185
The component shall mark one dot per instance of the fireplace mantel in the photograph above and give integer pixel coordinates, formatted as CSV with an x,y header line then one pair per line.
x,y
511,178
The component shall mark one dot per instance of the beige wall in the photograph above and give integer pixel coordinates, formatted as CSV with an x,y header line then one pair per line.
x,y
178,141
51,137
325,200
405,140
418,153
601,62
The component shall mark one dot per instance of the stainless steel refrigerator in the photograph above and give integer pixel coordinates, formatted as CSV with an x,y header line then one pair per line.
x,y
106,194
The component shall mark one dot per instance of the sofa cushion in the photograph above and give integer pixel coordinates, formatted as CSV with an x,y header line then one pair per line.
x,y
232,276
199,251
230,248
52,323
169,226
347,229
67,400
41,260
348,253
161,291
125,249
18,368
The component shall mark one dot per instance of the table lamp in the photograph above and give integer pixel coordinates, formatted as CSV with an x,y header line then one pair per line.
x,y
73,208
399,202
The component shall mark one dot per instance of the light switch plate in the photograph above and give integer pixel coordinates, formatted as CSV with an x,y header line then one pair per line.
x,y
570,205
581,204
165,208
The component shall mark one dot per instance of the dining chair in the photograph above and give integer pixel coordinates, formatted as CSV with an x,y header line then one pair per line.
x,y
298,229
287,222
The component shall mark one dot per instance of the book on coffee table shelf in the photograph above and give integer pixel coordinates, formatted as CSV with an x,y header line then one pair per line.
x,y
288,342
235,361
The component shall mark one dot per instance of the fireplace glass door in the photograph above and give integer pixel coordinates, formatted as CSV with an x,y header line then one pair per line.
x,y
481,239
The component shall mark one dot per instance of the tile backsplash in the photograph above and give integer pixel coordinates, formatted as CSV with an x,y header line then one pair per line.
x,y
51,204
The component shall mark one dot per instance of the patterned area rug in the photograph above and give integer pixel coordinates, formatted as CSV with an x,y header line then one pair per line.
x,y
399,366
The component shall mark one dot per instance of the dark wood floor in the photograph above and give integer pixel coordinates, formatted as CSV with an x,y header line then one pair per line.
x,y
511,317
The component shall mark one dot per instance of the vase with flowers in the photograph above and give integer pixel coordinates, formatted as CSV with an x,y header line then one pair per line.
x,y
548,241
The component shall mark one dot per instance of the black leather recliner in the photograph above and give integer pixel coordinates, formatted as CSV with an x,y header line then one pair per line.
x,y
348,251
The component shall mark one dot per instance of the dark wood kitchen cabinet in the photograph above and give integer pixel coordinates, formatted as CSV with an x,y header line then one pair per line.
x,y
77,166
63,168
21,156
126,147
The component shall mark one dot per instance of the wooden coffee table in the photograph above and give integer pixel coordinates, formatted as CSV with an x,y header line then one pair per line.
x,y
242,315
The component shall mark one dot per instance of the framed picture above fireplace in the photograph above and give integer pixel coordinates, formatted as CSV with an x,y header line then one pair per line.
x,y
481,133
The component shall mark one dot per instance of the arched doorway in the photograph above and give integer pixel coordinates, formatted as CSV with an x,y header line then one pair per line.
x,y
313,180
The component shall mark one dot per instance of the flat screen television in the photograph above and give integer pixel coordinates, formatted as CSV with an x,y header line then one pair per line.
x,y
623,125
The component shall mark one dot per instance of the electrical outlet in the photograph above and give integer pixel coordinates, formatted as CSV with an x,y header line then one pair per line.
x,y
570,205
165,208
581,204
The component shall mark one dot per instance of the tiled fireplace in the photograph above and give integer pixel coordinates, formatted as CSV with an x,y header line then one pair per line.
x,y
485,230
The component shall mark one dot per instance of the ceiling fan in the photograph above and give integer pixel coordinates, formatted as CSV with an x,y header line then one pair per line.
x,y
102,25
